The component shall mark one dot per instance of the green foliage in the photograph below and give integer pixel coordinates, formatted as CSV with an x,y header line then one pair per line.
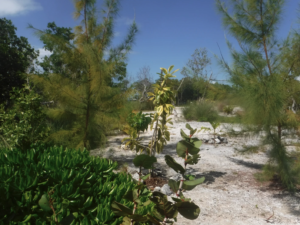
x,y
228,109
162,210
162,97
174,165
196,72
203,111
16,56
145,161
138,121
41,185
54,63
264,72
87,104
23,124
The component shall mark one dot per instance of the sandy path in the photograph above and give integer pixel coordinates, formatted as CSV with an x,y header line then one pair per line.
x,y
230,194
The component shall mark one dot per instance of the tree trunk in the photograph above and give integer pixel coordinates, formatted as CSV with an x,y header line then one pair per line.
x,y
87,116
279,131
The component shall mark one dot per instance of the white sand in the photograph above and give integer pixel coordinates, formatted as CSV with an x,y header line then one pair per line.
x,y
230,194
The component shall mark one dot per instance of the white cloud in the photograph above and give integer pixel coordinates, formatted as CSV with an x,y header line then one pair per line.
x,y
43,53
14,7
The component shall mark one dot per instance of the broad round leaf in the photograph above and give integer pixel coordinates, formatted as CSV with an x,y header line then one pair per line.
x,y
145,161
173,185
184,135
183,145
191,184
44,203
174,165
188,210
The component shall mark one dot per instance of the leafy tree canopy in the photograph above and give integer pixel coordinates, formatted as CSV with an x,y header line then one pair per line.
x,y
16,56
86,103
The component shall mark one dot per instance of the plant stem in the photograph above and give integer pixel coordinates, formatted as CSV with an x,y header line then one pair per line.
x,y
152,145
181,181
135,204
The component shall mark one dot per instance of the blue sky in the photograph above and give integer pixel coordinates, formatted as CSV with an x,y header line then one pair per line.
x,y
169,30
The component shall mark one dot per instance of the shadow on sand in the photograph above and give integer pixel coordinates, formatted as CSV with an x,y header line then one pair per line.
x,y
247,164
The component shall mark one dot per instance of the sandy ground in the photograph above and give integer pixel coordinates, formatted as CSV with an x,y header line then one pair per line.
x,y
230,194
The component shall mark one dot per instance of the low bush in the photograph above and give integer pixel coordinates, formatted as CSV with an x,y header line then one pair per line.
x,y
201,111
228,109
24,123
163,210
53,185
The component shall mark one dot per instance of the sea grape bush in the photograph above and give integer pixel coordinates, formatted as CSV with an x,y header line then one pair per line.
x,y
53,185
164,211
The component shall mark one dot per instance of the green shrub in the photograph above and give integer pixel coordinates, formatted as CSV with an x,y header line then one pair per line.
x,y
201,111
139,121
52,185
228,109
163,210
23,124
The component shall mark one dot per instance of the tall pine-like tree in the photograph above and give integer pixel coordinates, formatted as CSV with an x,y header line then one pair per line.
x,y
263,72
86,104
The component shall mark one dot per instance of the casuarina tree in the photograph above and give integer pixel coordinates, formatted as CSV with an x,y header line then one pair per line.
x,y
262,72
86,104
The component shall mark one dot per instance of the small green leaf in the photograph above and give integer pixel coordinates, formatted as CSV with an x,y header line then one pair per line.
x,y
184,135
191,184
170,68
188,126
120,210
145,177
44,203
174,186
132,195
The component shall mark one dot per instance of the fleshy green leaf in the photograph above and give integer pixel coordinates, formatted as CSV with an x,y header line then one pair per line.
x,y
173,185
139,218
145,177
188,210
174,165
191,184
183,145
145,161
170,68
196,142
184,135
44,203
120,210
